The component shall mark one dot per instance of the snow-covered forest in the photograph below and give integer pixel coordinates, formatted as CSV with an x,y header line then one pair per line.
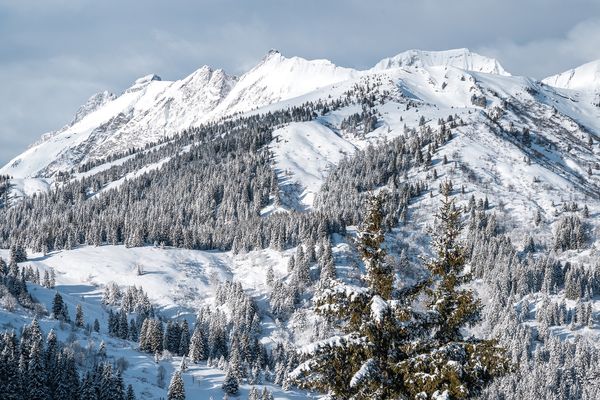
x,y
424,229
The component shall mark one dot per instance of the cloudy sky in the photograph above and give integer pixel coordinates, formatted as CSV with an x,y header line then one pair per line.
x,y
54,54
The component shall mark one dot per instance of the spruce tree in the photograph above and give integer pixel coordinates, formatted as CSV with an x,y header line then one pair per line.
x,y
387,348
88,389
197,350
449,364
59,308
10,377
184,340
176,388
130,393
230,384
36,375
377,327
79,321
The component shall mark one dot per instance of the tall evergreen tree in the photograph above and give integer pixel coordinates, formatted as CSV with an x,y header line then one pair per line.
x,y
176,388
79,321
448,363
377,327
59,308
184,340
231,384
10,377
198,349
36,375
130,393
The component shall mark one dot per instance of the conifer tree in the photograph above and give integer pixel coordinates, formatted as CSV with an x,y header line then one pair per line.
x,y
254,394
176,388
10,377
389,350
184,341
88,390
377,327
130,393
59,308
230,384
448,364
79,321
36,375
197,345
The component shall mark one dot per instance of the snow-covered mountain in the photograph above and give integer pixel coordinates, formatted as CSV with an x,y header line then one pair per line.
x,y
152,108
294,147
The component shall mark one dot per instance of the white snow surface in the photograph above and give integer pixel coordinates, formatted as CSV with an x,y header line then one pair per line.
x,y
177,281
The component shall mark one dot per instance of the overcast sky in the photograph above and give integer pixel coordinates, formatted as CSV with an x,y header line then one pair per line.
x,y
54,54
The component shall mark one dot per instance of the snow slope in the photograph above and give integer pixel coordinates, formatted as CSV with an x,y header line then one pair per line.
x,y
304,151
177,281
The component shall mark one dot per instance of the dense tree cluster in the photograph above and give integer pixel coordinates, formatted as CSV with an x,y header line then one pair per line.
x,y
349,184
4,189
34,368
387,348
13,285
570,233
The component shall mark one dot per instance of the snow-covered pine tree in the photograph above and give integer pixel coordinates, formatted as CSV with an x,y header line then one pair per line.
x,y
130,395
197,345
36,374
176,388
377,327
266,394
59,308
254,394
79,321
184,340
447,363
10,377
326,263
230,384
88,391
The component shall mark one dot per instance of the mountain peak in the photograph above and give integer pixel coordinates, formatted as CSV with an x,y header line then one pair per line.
x,y
92,104
584,77
146,79
273,52
462,58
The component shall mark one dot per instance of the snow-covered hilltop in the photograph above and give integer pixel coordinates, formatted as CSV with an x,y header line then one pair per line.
x,y
458,58
585,77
